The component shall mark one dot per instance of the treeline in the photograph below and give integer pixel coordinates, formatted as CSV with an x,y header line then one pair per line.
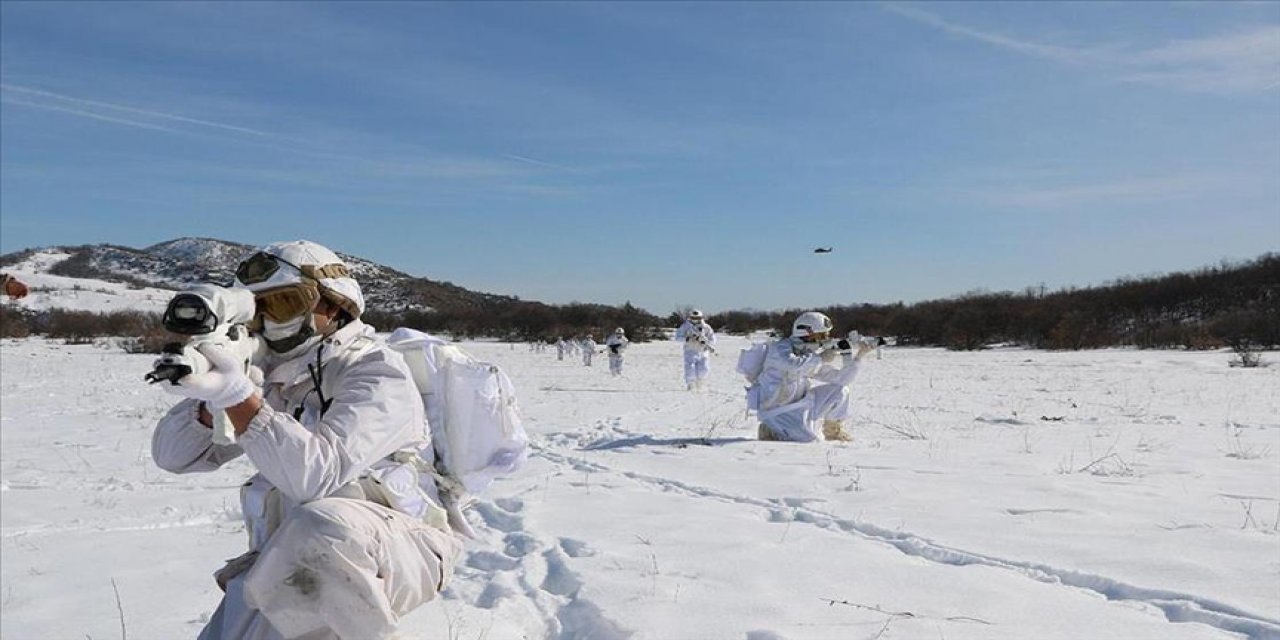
x,y
506,319
518,320
1236,305
144,331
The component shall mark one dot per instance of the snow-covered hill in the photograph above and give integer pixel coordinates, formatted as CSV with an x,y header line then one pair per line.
x,y
110,277
49,291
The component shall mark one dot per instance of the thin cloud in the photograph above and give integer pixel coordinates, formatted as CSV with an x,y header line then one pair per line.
x,y
384,164
1154,189
1048,51
540,163
57,97
543,191
1239,62
1242,62
88,114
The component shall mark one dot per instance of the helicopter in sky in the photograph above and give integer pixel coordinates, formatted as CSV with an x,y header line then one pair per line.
x,y
824,250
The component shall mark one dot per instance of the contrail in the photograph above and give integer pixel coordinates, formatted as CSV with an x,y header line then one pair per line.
x,y
537,162
89,114
145,112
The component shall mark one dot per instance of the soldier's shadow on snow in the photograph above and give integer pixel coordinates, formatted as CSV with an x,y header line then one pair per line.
x,y
650,441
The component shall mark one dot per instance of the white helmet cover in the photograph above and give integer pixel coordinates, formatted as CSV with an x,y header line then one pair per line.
x,y
304,253
809,323
695,314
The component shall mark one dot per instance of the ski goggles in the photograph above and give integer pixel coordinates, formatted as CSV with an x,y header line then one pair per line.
x,y
283,304
821,336
259,268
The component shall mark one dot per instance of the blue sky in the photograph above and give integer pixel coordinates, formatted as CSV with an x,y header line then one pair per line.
x,y
663,153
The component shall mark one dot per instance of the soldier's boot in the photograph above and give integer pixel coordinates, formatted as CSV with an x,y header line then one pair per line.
x,y
834,430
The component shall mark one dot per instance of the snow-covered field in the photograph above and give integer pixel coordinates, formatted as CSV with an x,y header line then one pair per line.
x,y
1004,494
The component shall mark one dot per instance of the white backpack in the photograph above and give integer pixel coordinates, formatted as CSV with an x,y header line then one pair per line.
x,y
751,360
751,365
471,406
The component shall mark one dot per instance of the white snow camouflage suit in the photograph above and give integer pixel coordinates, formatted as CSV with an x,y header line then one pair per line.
x,y
791,405
329,559
695,351
616,344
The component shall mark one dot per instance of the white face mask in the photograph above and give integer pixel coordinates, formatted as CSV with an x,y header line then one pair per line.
x,y
273,330
294,336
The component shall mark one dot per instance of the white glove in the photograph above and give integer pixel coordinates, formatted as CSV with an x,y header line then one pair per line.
x,y
222,386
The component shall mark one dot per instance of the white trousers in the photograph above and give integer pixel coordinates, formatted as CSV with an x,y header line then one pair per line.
x,y
615,364
804,422
337,569
695,366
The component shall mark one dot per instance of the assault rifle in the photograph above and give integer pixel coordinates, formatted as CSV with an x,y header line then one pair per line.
x,y
696,336
206,314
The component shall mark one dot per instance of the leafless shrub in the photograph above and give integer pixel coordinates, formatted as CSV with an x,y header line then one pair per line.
x,y
1108,464
142,331
1247,505
1239,450
908,426
14,323
1026,440
897,615
124,631
151,341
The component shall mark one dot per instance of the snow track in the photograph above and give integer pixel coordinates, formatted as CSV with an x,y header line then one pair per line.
x,y
1177,606
535,571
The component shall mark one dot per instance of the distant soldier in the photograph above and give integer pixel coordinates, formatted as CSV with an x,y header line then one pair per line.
x,y
561,347
804,393
588,346
616,343
698,339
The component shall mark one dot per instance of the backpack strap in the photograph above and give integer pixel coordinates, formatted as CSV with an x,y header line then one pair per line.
x,y
357,347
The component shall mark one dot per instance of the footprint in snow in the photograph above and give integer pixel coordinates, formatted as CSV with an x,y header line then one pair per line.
x,y
576,548
520,544
490,561
560,580
499,588
513,505
496,518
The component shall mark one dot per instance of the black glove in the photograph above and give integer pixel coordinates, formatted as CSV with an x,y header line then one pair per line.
x,y
844,346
